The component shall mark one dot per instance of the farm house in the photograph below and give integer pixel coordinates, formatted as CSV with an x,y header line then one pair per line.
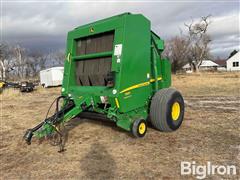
x,y
222,65
205,66
233,63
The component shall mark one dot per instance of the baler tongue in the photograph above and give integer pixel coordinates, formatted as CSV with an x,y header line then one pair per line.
x,y
51,124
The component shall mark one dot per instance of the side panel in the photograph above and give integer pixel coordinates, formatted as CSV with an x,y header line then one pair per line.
x,y
67,66
163,65
135,61
166,73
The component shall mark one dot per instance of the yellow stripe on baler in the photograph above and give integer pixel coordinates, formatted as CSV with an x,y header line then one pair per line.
x,y
117,103
140,85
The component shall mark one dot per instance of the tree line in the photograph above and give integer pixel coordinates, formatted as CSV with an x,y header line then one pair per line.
x,y
17,62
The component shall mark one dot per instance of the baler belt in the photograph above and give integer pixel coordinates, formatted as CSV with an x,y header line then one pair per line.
x,y
102,42
93,72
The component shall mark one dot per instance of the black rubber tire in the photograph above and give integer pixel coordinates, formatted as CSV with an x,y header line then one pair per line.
x,y
161,110
135,128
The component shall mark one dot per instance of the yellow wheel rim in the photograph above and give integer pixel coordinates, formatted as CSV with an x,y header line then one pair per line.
x,y
142,128
175,111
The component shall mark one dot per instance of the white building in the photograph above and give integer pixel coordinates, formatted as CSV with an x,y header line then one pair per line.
x,y
51,77
233,63
206,65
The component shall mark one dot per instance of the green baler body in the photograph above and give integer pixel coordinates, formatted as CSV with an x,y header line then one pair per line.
x,y
135,61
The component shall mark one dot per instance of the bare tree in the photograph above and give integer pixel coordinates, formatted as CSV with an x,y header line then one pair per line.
x,y
59,57
192,47
21,60
199,42
37,61
40,59
177,51
6,60
26,65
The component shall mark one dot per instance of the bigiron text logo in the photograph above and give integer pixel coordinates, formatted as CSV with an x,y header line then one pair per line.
x,y
203,171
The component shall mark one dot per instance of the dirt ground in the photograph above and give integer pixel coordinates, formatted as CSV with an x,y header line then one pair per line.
x,y
100,150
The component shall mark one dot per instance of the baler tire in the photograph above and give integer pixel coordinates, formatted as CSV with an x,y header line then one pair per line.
x,y
162,106
139,128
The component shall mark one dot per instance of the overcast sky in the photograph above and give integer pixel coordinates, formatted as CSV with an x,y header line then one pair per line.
x,y
44,25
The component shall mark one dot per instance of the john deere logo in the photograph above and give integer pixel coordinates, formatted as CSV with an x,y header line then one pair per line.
x,y
91,30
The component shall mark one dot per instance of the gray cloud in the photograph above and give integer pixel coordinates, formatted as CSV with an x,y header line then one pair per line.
x,y
42,25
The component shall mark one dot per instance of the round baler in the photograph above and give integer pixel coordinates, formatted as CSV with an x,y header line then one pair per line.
x,y
114,69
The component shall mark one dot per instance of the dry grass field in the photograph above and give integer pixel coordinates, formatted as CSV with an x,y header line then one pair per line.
x,y
99,150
